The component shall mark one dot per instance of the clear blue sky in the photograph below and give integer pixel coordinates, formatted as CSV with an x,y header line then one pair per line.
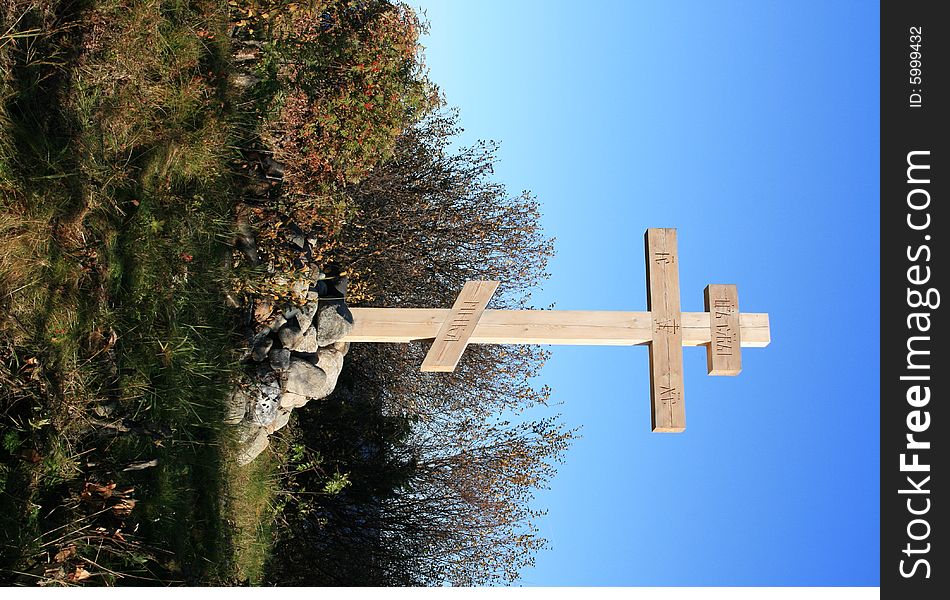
x,y
752,127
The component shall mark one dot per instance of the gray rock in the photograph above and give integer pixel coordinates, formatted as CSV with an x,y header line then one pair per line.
x,y
334,322
262,348
268,383
289,335
306,343
341,347
279,358
300,287
252,440
283,417
306,314
278,322
303,314
331,362
298,240
246,432
264,411
306,379
290,400
236,405
340,285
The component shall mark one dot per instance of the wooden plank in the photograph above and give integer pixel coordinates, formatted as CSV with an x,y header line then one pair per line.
x,y
559,327
457,328
666,347
723,354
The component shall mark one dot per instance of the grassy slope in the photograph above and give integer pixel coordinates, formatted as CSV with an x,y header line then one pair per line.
x,y
114,219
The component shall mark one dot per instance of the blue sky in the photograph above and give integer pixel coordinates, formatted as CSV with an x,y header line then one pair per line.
x,y
752,127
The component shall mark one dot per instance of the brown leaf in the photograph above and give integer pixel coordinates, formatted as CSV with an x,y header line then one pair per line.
x,y
124,507
31,455
103,491
65,553
79,574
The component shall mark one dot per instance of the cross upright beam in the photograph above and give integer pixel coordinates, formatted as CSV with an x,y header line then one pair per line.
x,y
552,327
665,329
666,348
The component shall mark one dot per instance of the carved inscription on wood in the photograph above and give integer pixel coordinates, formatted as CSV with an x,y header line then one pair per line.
x,y
723,356
666,347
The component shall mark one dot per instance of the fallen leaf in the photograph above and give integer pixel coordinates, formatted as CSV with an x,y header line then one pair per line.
x,y
65,553
31,455
79,574
124,507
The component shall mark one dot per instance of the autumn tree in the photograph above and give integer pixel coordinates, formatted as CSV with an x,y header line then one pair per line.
x,y
350,78
443,499
429,219
462,469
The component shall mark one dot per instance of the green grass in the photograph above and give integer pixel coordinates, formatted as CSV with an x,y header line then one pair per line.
x,y
115,219
250,502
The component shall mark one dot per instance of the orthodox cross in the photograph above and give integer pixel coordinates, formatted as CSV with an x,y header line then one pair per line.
x,y
722,329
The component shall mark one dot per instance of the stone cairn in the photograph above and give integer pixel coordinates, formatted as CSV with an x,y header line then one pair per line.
x,y
295,357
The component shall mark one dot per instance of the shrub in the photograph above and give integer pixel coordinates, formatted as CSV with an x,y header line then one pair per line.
x,y
352,81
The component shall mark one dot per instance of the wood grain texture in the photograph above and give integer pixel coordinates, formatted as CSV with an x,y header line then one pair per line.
x,y
457,327
557,327
666,346
723,354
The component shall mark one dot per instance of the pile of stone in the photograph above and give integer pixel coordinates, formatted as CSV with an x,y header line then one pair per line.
x,y
295,358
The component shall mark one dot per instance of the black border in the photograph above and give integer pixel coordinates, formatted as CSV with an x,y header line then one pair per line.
x,y
904,129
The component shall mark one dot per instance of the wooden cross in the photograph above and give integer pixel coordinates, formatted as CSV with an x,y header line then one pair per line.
x,y
722,329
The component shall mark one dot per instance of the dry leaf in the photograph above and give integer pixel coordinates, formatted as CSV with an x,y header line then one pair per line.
x,y
31,455
65,553
94,489
124,507
79,574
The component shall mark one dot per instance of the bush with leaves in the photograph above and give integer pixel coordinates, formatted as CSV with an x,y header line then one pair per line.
x,y
443,497
351,80
426,221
